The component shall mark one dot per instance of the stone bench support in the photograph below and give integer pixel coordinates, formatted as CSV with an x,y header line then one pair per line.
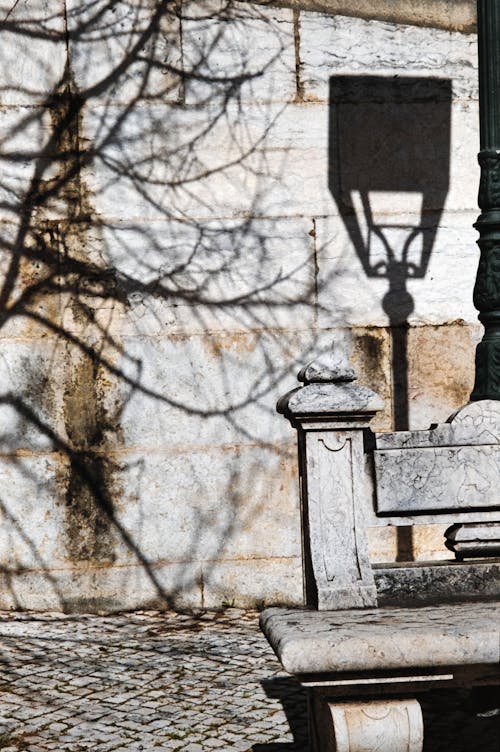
x,y
388,726
364,669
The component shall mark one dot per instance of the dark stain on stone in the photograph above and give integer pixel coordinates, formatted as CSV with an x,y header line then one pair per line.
x,y
92,484
371,359
66,108
89,509
36,390
369,354
371,347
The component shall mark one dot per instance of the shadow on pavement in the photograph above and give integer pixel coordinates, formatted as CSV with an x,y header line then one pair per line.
x,y
292,696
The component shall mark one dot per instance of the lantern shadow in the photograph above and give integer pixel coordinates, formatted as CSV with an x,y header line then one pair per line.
x,y
389,144
389,161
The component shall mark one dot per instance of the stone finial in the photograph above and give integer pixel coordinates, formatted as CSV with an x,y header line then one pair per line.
x,y
328,368
328,392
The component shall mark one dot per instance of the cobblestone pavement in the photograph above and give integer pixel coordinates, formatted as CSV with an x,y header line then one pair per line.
x,y
150,681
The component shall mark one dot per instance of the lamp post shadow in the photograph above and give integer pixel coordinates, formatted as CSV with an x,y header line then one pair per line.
x,y
389,159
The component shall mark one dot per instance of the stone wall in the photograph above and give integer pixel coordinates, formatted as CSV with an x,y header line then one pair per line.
x,y
186,219
453,15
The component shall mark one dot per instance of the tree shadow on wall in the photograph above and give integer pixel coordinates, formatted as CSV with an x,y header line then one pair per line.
x,y
144,319
389,168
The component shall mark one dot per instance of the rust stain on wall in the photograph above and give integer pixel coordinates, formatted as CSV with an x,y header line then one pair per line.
x,y
230,342
441,365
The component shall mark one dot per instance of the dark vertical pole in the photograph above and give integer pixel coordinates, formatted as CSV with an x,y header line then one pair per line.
x,y
487,288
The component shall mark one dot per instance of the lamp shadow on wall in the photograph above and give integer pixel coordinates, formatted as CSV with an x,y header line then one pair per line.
x,y
389,162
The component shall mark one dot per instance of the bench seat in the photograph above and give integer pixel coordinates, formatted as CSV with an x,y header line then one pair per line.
x,y
365,640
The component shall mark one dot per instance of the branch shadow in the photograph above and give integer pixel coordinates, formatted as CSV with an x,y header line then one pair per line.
x,y
121,268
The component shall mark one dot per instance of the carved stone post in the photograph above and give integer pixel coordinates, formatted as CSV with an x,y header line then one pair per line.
x,y
329,413
487,289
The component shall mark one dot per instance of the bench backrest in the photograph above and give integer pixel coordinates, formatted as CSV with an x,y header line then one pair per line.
x,y
352,479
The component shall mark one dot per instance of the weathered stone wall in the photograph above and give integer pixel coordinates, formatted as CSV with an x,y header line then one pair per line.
x,y
186,219
453,15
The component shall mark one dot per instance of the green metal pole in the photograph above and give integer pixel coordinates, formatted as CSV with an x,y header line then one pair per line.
x,y
487,288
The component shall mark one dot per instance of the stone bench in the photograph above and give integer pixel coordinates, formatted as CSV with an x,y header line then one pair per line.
x,y
363,657
447,637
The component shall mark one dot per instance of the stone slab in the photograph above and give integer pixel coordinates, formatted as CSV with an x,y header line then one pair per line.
x,y
347,294
141,59
232,159
319,642
187,584
475,424
325,400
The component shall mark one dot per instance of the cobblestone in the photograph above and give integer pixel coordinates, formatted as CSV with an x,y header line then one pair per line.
x,y
149,682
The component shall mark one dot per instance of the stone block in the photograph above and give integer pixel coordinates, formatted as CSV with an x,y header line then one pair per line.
x,y
31,404
349,292
33,312
431,166
225,503
32,513
216,389
225,160
125,52
26,149
102,589
245,583
332,45
433,490
208,514
461,16
33,54
426,543
452,467
464,166
440,582
436,392
191,585
160,538
371,358
244,45
188,277
393,725
382,544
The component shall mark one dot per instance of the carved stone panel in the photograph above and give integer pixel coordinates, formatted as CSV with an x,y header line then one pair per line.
x,y
333,488
437,479
452,467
